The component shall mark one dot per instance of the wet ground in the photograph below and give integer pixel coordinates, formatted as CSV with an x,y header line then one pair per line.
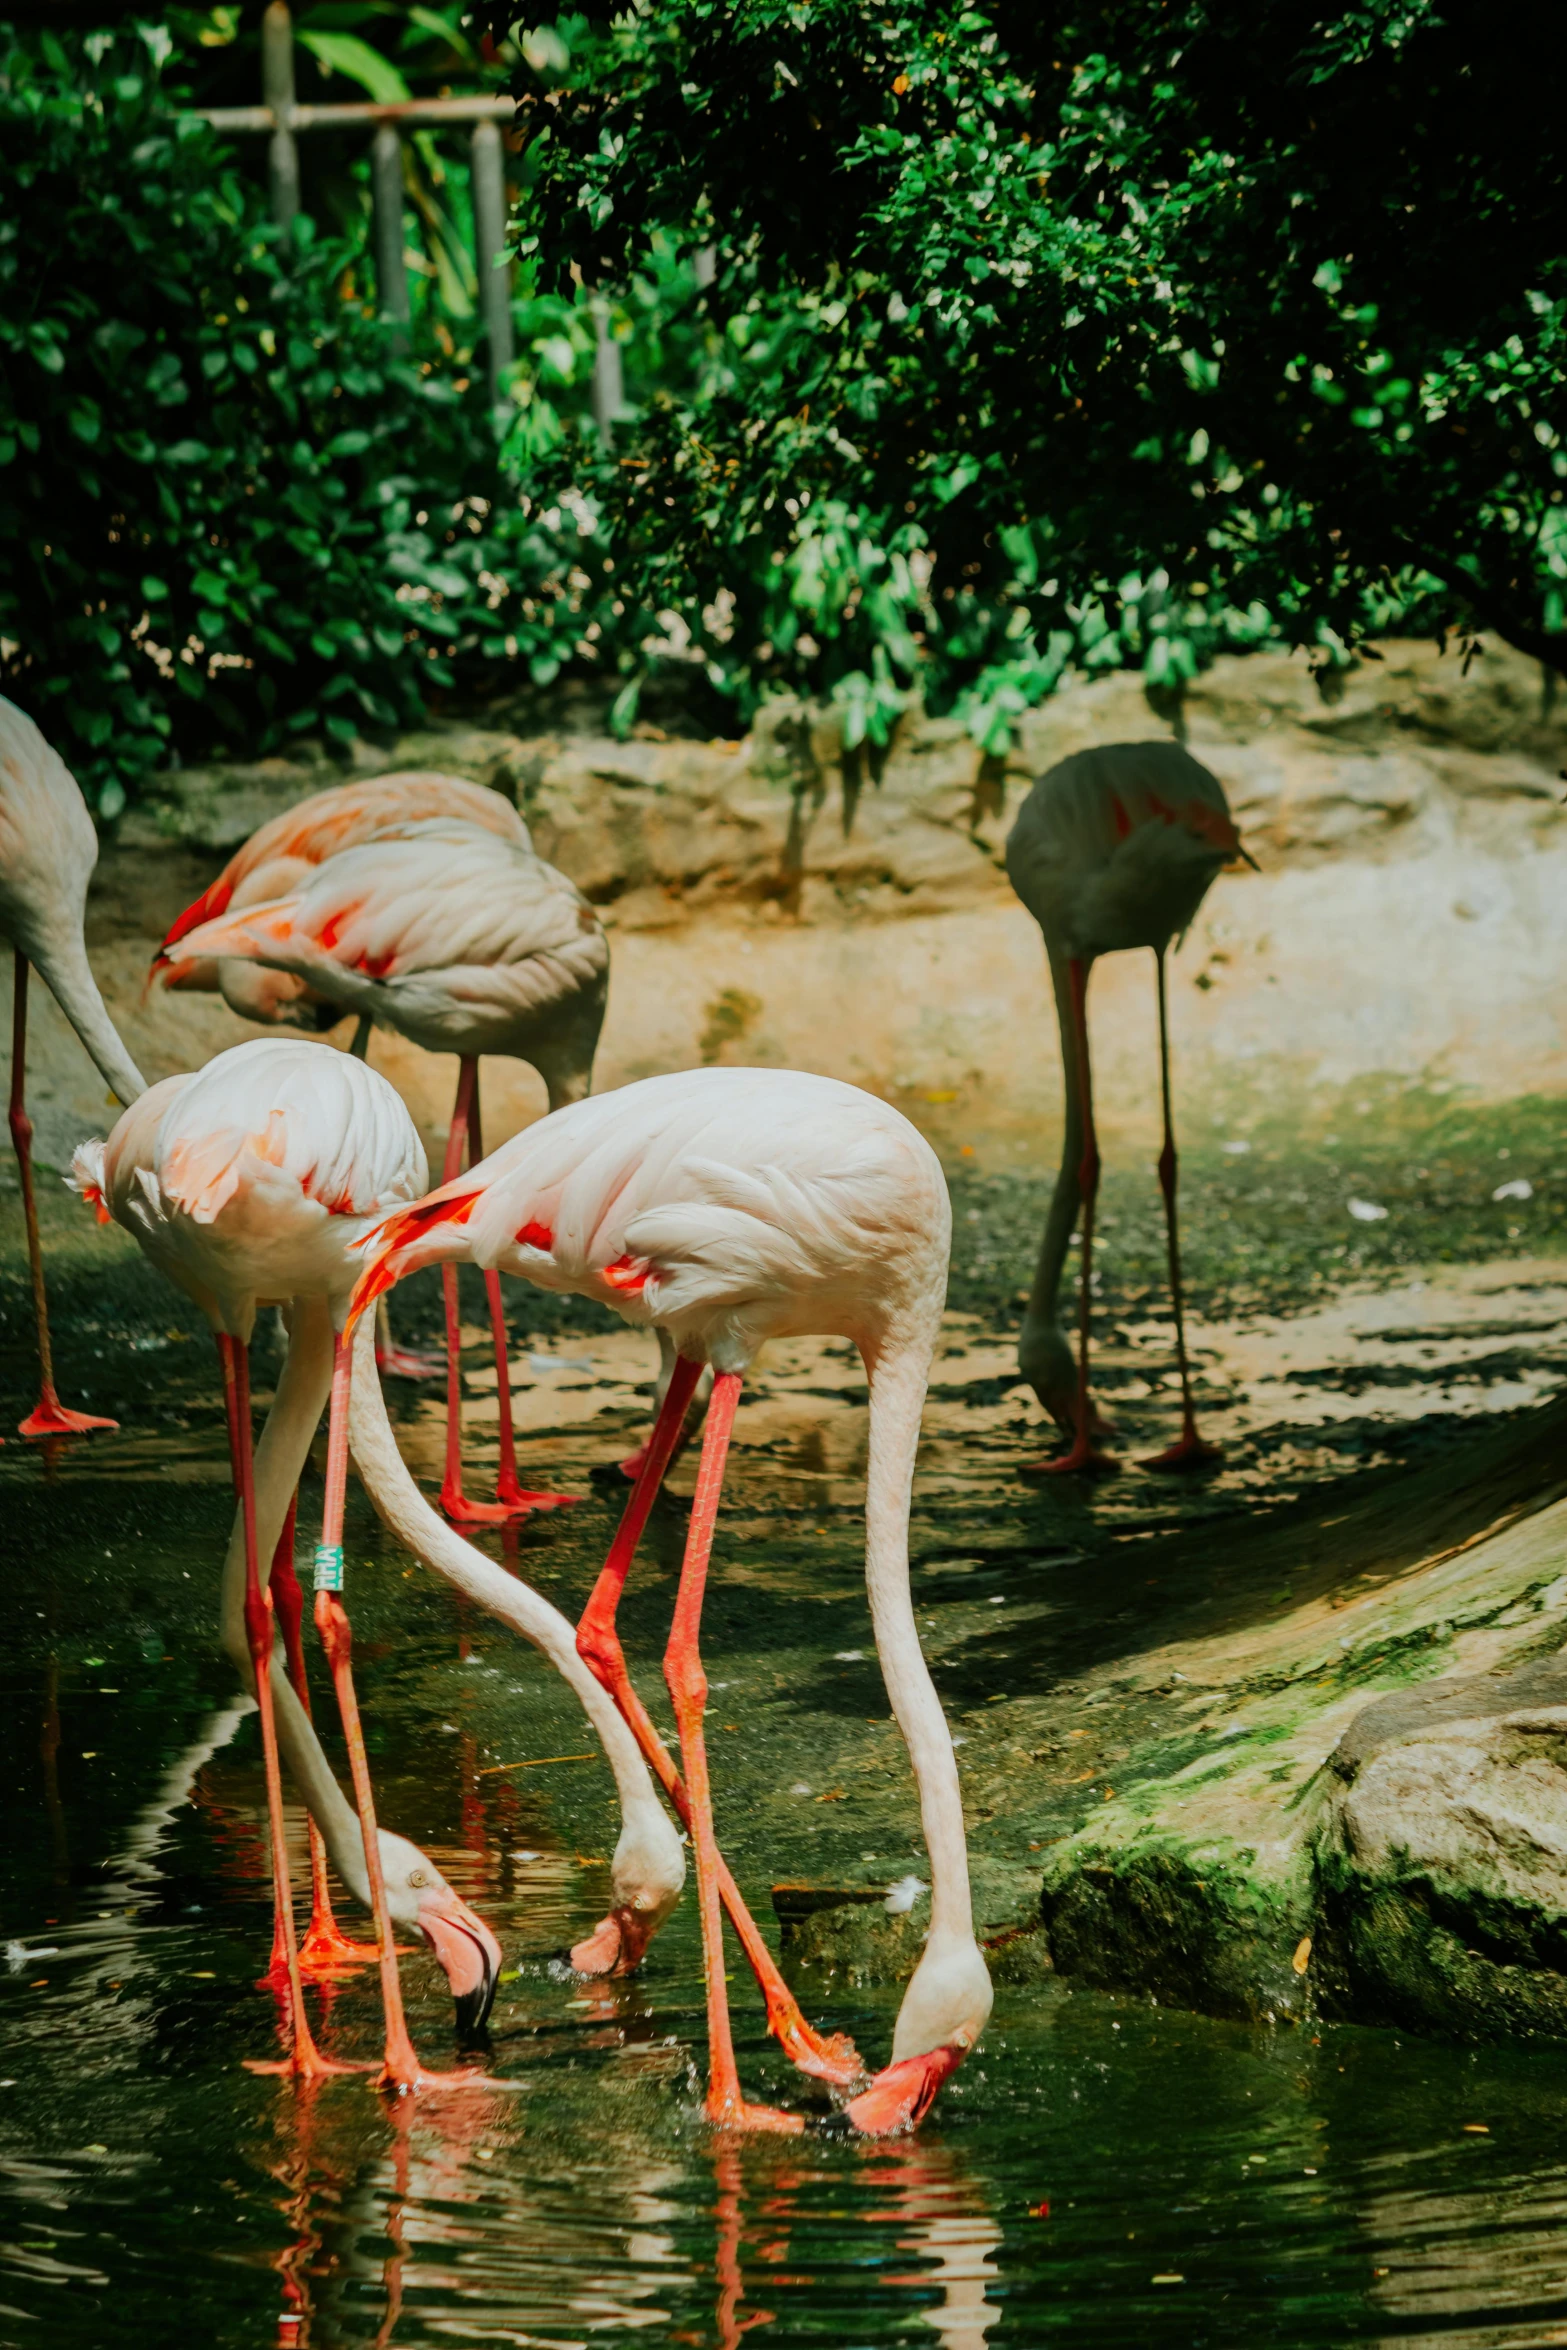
x,y
1103,2170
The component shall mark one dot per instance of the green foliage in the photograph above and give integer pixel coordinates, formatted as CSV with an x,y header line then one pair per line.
x,y
232,512
1080,332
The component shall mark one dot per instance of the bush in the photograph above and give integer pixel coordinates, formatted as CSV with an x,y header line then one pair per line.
x,y
233,512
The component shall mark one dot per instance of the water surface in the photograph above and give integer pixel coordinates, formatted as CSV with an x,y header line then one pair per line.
x,y
1103,2171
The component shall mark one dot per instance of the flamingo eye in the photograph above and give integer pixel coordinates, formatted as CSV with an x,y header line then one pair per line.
x,y
417,1877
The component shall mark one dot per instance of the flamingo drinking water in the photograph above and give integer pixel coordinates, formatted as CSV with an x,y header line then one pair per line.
x,y
241,1204
463,943
48,848
1113,848
236,1182
726,1207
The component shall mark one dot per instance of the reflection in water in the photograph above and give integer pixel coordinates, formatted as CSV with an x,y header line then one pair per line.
x,y
1312,2192
1442,2257
49,1756
952,2226
726,2262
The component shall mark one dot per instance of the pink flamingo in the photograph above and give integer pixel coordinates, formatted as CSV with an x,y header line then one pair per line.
x,y
245,1185
463,943
726,1207
281,856
48,848
1114,848
295,1137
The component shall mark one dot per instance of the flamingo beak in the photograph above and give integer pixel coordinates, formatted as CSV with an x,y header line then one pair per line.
x,y
470,1958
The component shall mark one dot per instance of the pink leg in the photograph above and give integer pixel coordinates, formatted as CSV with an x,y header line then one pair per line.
x,y
833,2058
454,1501
401,2070
326,1950
687,1684
49,1416
1082,1453
1190,1451
511,1496
392,1361
304,2060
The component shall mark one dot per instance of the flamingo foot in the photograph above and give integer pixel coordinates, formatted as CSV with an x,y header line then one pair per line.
x,y
50,1417
463,1512
830,2057
1191,1453
735,2114
522,1503
899,2098
413,2081
312,2066
326,1951
1083,1458
401,1362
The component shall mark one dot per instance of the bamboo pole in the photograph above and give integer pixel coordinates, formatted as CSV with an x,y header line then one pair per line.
x,y
608,382
277,87
489,236
391,268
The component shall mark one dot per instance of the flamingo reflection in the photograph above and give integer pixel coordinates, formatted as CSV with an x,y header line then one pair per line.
x,y
950,2226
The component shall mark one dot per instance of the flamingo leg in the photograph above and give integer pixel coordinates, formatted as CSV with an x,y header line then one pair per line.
x,y
1190,1451
326,1950
827,2057
49,1416
304,2061
391,1360
454,1502
631,1467
687,1685
1082,1452
401,2070
514,1500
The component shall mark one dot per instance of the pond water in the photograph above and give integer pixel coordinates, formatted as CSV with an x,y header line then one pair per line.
x,y
1101,2171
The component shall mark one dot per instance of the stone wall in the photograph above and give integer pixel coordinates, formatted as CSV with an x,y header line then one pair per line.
x,y
1410,751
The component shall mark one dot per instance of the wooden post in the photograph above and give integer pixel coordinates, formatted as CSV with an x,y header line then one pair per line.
x,y
489,237
391,269
608,383
277,88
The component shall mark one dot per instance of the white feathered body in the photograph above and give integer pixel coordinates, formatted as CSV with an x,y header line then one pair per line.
x,y
461,941
249,1183
727,1206
281,856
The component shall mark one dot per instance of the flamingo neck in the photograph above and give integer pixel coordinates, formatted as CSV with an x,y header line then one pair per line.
x,y
280,1457
404,1510
898,1366
66,972
1066,1198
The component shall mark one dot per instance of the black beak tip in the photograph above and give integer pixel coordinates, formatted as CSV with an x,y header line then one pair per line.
x,y
473,2008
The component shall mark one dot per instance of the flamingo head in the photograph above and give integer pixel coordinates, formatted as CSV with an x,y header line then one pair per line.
x,y
648,1872
418,1896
